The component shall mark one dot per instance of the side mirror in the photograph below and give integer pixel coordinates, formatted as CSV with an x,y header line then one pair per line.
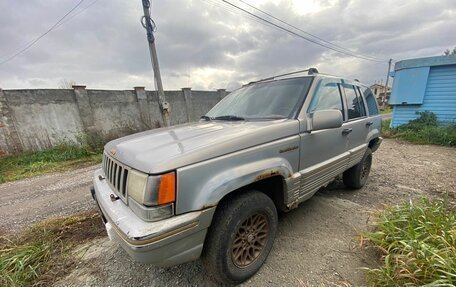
x,y
326,119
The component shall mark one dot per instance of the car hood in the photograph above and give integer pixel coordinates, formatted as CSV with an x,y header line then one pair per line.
x,y
164,149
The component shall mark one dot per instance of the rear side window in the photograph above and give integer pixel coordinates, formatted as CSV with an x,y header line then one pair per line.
x,y
370,101
362,107
355,105
327,97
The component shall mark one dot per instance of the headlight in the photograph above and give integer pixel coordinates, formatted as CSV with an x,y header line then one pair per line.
x,y
152,190
136,185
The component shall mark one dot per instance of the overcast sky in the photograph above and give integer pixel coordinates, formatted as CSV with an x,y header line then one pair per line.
x,y
204,44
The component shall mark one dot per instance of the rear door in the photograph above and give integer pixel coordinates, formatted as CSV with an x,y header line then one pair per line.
x,y
357,124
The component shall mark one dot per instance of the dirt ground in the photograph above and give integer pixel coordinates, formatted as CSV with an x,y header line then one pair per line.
x,y
316,243
31,200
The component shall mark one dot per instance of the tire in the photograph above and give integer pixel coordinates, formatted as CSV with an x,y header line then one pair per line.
x,y
231,255
356,177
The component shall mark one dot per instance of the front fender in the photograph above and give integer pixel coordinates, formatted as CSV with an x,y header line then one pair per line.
x,y
234,178
205,183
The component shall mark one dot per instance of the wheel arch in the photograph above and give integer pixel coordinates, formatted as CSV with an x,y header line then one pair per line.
x,y
257,175
273,186
254,176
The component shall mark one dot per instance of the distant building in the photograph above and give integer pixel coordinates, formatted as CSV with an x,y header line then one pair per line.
x,y
379,91
424,84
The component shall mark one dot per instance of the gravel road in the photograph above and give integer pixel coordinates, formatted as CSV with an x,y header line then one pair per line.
x,y
315,243
32,200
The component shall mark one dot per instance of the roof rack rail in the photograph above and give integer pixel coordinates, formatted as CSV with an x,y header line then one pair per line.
x,y
310,71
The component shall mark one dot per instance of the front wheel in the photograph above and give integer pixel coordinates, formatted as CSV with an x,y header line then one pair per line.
x,y
356,177
240,237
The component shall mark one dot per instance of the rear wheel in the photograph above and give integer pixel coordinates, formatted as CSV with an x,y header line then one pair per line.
x,y
356,177
240,237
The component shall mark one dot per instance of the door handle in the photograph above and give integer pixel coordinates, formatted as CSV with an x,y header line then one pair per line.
x,y
347,131
368,124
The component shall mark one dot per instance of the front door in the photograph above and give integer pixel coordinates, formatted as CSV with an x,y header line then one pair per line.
x,y
324,153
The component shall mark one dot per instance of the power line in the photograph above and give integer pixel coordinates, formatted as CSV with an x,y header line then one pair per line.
x,y
234,11
307,33
246,15
77,13
263,21
69,18
28,46
301,36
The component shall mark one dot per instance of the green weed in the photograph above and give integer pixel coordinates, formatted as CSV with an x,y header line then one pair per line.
x,y
423,130
60,158
418,245
42,252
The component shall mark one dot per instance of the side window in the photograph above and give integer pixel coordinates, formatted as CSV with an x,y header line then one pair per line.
x,y
355,106
362,107
370,101
327,97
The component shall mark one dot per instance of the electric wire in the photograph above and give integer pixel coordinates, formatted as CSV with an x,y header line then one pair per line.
x,y
77,13
28,46
307,33
69,18
299,35
235,12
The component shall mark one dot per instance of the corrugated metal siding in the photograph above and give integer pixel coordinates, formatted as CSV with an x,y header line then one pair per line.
x,y
409,86
403,114
439,98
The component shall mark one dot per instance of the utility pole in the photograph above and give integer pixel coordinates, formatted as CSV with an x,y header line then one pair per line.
x,y
386,83
149,25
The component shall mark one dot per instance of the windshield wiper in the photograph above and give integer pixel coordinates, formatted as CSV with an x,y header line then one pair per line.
x,y
206,118
229,118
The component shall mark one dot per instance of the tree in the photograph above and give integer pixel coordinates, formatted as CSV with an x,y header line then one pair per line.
x,y
66,84
448,52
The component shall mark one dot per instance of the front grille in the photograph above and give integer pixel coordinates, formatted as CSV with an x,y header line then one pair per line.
x,y
116,173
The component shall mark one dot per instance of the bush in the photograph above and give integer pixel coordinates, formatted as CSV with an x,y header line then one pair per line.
x,y
418,245
423,130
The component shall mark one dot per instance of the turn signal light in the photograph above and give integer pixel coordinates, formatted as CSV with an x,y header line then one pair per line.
x,y
167,188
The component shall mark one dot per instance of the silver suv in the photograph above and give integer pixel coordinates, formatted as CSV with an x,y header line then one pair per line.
x,y
213,188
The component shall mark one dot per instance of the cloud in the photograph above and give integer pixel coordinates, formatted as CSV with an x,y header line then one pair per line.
x,y
206,44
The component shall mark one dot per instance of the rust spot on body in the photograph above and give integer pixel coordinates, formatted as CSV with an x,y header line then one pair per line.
x,y
266,175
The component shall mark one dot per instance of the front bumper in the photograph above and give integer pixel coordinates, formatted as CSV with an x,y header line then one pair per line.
x,y
167,242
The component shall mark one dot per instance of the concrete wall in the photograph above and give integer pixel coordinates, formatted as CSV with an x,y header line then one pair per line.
x,y
32,120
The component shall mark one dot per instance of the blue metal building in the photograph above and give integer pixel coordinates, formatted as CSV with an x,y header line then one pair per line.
x,y
424,84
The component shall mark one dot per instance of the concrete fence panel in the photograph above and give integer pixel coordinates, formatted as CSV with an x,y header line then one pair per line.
x,y
32,120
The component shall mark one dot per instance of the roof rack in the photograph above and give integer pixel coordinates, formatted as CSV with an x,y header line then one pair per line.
x,y
310,71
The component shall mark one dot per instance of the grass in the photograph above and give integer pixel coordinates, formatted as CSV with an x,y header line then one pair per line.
x,y
388,110
60,158
42,253
423,130
418,245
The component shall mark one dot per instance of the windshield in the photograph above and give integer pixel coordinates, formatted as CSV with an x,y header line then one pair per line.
x,y
270,100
